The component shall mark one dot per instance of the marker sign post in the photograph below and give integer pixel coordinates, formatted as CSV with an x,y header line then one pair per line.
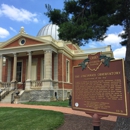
x,y
99,86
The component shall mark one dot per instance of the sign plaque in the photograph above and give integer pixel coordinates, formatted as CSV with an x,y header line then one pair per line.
x,y
99,86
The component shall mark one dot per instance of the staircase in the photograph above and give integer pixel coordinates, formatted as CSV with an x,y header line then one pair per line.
x,y
7,98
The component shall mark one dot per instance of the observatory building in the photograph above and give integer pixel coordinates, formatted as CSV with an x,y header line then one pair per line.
x,y
40,66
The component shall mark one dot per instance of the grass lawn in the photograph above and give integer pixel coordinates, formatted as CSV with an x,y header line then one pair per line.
x,y
51,103
29,119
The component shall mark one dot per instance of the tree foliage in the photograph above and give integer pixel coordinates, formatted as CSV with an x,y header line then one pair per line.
x,y
82,20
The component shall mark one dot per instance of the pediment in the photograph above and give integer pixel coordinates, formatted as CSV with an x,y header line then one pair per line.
x,y
20,41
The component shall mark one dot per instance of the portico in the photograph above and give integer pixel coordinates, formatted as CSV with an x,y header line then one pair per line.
x,y
31,68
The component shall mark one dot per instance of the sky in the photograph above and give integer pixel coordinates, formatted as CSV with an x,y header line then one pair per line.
x,y
29,14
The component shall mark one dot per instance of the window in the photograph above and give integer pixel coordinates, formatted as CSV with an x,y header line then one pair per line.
x,y
22,41
67,71
19,72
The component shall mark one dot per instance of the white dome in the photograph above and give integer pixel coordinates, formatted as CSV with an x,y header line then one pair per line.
x,y
50,29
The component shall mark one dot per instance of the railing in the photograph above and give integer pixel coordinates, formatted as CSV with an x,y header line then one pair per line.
x,y
36,84
12,97
3,94
6,85
6,88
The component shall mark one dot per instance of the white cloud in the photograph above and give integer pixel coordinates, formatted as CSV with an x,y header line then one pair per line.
x,y
12,29
112,26
3,33
120,53
20,15
122,32
35,20
112,39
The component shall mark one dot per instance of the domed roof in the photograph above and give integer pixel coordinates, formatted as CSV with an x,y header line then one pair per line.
x,y
49,29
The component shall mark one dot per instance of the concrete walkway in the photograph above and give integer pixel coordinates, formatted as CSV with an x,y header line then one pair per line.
x,y
60,109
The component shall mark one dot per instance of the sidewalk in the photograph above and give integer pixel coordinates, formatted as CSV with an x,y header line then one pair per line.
x,y
60,109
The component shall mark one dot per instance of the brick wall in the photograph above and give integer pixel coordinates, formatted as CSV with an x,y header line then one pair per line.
x,y
68,86
62,71
76,62
4,72
65,85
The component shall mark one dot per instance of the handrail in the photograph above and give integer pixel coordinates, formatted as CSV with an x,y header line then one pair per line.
x,y
6,88
12,97
6,84
3,93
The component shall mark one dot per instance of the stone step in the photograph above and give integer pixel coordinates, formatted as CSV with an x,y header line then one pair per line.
x,y
7,99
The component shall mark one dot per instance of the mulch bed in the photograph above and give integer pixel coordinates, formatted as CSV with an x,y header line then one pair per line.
x,y
74,122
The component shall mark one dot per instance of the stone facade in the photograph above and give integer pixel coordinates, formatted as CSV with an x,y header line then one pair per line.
x,y
44,95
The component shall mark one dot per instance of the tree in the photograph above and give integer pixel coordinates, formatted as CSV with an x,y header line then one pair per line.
x,y
82,20
89,19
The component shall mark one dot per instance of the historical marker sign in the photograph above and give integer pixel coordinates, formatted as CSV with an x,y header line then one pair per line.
x,y
99,86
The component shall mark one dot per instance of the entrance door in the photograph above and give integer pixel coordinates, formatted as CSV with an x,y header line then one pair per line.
x,y
19,72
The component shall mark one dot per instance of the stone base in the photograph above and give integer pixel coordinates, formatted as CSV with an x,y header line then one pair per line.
x,y
13,86
47,84
55,85
28,85
16,99
43,95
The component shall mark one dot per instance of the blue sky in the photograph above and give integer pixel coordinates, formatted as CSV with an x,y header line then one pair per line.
x,y
30,14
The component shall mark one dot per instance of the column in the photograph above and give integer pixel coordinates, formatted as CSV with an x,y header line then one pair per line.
x,y
14,67
48,65
56,71
9,70
13,82
29,66
47,81
1,66
28,81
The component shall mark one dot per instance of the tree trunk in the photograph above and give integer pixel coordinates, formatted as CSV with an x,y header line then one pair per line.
x,y
123,123
127,61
